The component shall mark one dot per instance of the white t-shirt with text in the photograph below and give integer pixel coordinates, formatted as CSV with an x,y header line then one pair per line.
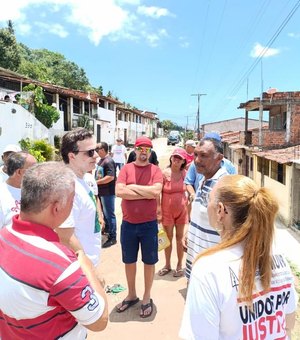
x,y
214,310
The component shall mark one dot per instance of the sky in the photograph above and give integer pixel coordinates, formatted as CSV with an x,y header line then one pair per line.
x,y
158,55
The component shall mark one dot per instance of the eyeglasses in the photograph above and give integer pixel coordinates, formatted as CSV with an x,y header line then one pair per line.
x,y
89,153
143,149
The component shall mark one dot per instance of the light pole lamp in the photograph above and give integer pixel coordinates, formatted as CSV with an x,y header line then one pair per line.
x,y
198,112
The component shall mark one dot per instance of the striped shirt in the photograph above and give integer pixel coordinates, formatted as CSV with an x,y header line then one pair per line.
x,y
200,234
44,293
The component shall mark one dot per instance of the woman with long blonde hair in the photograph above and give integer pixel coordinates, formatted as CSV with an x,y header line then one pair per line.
x,y
241,288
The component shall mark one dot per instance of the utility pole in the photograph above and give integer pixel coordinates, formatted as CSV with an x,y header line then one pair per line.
x,y
187,125
198,112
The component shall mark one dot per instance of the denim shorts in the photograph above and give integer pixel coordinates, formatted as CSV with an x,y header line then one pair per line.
x,y
134,235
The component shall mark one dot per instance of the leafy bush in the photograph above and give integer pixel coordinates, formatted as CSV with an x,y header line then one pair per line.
x,y
45,113
40,149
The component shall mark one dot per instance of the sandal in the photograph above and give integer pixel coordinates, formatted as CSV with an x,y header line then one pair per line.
x,y
145,307
178,273
164,271
127,304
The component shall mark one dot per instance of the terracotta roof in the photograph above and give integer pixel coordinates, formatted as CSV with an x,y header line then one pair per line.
x,y
230,137
281,156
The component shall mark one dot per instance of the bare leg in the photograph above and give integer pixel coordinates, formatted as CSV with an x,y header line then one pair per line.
x,y
149,270
130,270
168,251
180,251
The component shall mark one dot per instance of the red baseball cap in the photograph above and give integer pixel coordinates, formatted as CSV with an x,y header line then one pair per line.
x,y
143,141
179,152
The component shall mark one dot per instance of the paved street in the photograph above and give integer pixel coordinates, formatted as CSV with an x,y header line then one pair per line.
x,y
168,292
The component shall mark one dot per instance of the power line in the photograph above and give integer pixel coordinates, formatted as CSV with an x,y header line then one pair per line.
x,y
264,51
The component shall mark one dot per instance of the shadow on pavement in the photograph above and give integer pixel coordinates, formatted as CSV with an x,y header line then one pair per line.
x,y
131,314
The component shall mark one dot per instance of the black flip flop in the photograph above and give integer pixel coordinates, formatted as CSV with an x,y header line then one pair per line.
x,y
146,306
128,304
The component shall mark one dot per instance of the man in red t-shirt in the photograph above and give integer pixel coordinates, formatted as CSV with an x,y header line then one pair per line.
x,y
189,148
139,184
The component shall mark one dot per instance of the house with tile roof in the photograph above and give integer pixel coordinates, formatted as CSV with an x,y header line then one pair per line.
x,y
271,154
101,114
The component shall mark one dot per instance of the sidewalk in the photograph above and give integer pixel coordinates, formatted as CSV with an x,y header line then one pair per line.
x,y
287,241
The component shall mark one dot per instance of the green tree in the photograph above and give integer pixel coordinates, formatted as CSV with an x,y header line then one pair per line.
x,y
44,112
9,52
52,67
167,125
99,90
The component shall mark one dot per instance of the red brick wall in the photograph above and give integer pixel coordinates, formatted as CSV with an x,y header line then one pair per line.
x,y
278,137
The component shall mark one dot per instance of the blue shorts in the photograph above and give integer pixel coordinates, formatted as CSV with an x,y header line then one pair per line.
x,y
132,235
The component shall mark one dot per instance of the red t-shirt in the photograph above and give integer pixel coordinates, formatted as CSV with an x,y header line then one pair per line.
x,y
144,210
189,158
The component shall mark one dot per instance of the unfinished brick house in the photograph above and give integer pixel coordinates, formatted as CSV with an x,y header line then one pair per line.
x,y
271,155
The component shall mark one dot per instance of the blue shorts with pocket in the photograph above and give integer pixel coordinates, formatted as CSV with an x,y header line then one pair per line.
x,y
134,235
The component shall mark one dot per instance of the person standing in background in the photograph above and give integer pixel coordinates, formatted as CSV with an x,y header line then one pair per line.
x,y
106,180
172,211
10,148
189,148
10,190
118,153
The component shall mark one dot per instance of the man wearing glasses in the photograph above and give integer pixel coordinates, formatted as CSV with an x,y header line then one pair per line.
x,y
139,185
82,229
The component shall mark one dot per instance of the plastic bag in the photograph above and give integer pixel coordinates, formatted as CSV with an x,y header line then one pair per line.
x,y
163,240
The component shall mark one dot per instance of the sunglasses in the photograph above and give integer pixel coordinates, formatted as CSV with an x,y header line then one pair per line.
x,y
143,148
89,153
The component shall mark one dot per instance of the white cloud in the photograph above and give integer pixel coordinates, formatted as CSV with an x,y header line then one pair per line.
x,y
55,29
163,32
130,2
183,42
24,29
102,19
114,19
154,38
154,12
294,35
258,49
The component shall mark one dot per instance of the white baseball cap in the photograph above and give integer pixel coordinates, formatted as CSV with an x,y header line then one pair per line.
x,y
12,148
191,143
